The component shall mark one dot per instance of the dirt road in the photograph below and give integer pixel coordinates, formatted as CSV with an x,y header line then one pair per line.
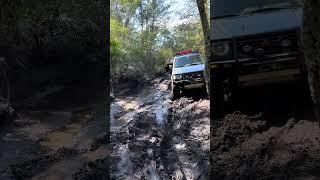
x,y
155,138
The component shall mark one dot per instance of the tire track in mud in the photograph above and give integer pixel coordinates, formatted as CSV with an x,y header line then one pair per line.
x,y
190,140
137,142
149,146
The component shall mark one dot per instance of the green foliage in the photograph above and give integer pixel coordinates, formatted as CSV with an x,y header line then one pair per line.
x,y
61,35
189,36
116,32
52,26
141,41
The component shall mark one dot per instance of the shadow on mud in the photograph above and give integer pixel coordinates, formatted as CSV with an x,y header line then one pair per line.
x,y
277,102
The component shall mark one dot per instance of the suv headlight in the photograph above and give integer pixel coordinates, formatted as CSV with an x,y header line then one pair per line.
x,y
177,77
221,48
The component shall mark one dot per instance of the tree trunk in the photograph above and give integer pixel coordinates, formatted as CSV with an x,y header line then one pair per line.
x,y
311,45
203,12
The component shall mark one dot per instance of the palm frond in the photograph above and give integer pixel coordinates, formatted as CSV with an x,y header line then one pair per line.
x,y
65,21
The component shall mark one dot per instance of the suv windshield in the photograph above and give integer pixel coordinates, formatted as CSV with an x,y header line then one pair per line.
x,y
187,60
223,8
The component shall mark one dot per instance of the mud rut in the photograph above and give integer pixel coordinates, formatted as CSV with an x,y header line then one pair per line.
x,y
151,136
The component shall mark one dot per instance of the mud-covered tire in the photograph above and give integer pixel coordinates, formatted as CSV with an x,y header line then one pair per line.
x,y
175,92
217,94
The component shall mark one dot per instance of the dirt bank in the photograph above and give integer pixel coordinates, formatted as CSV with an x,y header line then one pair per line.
x,y
241,149
268,145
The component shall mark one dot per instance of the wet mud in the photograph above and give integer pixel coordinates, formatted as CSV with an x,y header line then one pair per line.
x,y
155,138
264,140
55,142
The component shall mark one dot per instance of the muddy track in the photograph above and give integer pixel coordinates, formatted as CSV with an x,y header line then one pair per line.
x,y
149,145
191,127
136,141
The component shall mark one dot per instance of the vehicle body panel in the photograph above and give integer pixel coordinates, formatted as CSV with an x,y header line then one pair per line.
x,y
248,48
257,23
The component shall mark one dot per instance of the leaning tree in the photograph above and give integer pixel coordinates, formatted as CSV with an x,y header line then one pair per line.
x,y
203,12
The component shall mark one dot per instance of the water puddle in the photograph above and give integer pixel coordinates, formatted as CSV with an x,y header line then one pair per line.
x,y
157,102
152,171
161,106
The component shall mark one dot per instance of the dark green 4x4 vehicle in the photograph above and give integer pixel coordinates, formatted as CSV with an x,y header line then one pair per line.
x,y
253,42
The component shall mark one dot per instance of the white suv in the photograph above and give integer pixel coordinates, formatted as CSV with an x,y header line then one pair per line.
x,y
187,73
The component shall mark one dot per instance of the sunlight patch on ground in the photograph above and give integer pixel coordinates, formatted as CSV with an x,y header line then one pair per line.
x,y
66,136
127,104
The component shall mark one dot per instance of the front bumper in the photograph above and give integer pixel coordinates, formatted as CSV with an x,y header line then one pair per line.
x,y
282,58
190,84
266,63
268,69
281,76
